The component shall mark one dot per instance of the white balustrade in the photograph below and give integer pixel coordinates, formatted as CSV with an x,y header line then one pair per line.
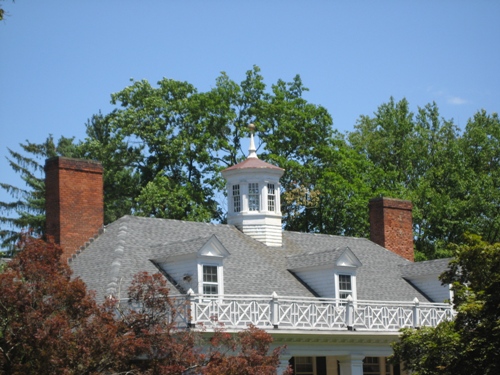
x,y
295,313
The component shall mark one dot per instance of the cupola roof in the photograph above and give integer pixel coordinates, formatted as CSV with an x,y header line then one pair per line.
x,y
252,161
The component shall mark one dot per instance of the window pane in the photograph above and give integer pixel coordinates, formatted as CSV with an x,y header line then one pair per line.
x,y
304,366
271,198
253,197
345,282
236,198
371,366
344,295
210,280
210,289
210,274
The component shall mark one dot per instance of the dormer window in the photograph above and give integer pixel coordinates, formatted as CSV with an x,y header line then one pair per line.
x,y
345,286
210,280
253,196
331,273
197,264
271,198
236,198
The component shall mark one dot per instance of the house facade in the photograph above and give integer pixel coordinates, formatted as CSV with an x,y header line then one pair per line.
x,y
336,302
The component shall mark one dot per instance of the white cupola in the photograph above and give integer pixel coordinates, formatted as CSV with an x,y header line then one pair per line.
x,y
253,192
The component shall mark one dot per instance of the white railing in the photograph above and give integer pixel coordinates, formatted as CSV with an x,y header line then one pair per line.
x,y
294,313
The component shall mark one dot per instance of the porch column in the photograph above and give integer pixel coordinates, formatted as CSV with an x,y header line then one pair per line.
x,y
351,364
282,366
331,366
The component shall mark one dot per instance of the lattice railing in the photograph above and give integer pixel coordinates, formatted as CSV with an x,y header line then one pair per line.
x,y
293,313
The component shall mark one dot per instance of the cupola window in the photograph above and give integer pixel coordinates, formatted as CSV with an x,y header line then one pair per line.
x,y
253,196
271,198
236,198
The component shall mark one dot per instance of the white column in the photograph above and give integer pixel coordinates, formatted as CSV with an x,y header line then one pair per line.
x,y
244,196
277,191
229,191
264,197
351,364
282,367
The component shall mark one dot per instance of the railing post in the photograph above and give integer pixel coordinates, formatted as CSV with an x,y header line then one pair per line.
x,y
349,312
274,310
191,308
416,313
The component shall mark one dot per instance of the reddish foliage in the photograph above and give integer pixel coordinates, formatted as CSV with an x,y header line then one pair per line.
x,y
50,324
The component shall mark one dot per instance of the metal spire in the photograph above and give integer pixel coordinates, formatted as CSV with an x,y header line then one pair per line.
x,y
251,149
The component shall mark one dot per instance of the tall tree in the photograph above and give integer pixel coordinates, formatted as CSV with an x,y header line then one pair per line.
x,y
480,146
421,158
470,343
119,159
188,137
27,211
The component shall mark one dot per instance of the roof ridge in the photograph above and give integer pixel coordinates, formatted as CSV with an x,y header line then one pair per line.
x,y
113,286
317,252
184,241
326,235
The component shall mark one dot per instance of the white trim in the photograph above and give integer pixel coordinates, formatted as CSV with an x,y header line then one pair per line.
x,y
350,272
220,274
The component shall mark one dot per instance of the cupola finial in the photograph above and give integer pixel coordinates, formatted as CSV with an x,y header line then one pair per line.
x,y
251,150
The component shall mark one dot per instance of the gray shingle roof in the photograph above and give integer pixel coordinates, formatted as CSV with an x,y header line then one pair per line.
x,y
128,245
312,258
428,267
180,247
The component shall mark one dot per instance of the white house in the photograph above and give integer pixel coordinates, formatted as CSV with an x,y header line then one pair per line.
x,y
336,302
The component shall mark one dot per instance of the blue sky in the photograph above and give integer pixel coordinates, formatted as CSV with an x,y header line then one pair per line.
x,y
61,60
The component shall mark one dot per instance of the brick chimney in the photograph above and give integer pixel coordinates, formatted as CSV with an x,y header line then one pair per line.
x,y
74,202
391,225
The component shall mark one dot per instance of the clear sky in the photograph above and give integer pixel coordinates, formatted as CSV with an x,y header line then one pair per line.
x,y
61,60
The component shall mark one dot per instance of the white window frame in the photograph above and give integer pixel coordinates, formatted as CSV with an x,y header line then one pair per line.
x,y
348,272
209,284
220,276
236,198
252,187
271,197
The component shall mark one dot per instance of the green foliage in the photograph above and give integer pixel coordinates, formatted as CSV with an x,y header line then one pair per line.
x,y
186,138
163,148
452,178
428,351
27,211
469,344
119,160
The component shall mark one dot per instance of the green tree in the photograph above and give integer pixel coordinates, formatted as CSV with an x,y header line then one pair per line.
x,y
424,158
469,344
119,160
480,146
163,148
187,137
27,211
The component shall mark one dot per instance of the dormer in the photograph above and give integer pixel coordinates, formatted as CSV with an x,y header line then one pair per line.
x,y
194,264
253,191
330,274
